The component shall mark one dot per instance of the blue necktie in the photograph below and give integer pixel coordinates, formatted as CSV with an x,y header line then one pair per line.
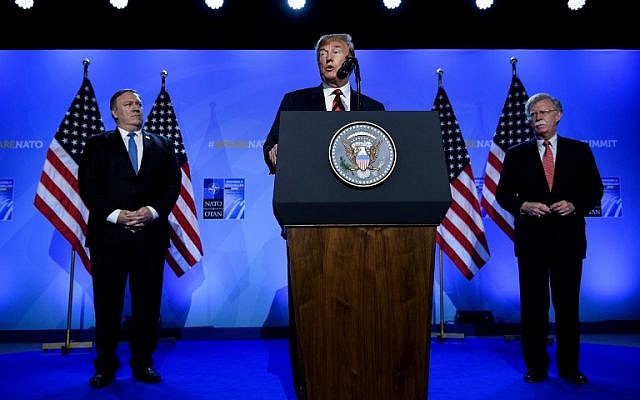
x,y
133,151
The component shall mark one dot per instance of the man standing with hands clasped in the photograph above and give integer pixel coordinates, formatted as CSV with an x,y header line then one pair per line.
x,y
130,180
549,184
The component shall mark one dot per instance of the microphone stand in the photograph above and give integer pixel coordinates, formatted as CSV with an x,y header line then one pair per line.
x,y
358,91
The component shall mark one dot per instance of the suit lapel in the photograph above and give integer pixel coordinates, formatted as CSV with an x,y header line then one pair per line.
x,y
317,99
147,152
563,161
538,175
119,150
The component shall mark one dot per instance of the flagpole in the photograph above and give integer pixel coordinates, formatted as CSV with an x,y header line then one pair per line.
x,y
442,335
68,344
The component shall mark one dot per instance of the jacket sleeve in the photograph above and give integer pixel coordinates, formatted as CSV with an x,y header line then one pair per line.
x,y
90,179
272,137
507,193
172,181
591,188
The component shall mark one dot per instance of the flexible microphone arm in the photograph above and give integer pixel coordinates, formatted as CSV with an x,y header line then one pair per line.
x,y
358,100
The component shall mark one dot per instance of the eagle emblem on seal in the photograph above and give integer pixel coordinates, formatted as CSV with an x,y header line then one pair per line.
x,y
362,154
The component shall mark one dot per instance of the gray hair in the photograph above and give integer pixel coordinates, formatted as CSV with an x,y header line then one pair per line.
x,y
342,37
539,97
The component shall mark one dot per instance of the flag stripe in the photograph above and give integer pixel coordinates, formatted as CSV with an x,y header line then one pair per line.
x,y
57,198
57,195
461,234
171,256
186,247
513,128
58,223
450,232
471,221
453,255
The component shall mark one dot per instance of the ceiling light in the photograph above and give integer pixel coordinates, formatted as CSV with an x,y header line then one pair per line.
x,y
25,4
119,4
484,4
214,4
391,4
296,4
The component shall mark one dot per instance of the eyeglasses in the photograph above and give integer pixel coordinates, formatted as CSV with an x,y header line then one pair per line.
x,y
542,113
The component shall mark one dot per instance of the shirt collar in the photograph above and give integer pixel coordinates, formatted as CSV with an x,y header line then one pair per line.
x,y
125,134
553,141
346,89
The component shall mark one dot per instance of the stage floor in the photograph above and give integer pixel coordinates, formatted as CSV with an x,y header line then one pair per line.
x,y
470,368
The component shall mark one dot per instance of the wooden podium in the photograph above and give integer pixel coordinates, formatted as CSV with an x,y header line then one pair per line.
x,y
361,261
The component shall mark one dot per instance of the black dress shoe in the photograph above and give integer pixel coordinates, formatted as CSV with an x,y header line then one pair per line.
x,y
576,377
535,376
99,380
147,375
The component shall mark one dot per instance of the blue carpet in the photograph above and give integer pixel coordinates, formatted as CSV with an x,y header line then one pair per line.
x,y
473,368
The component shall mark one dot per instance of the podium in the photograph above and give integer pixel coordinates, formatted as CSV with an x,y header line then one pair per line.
x,y
361,255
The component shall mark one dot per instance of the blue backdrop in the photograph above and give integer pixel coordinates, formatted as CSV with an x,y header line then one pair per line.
x,y
225,103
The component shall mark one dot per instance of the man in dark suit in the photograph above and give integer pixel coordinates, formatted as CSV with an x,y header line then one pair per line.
x,y
130,181
549,184
331,52
333,94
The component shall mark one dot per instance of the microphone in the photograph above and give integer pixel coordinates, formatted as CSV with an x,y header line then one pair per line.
x,y
346,67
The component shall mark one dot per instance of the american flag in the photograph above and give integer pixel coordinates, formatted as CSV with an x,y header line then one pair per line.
x,y
58,196
512,129
186,247
461,234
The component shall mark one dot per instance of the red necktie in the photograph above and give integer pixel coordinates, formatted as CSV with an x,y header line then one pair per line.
x,y
547,163
337,103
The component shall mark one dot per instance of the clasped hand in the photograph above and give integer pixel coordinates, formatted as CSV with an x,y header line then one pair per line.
x,y
135,220
536,209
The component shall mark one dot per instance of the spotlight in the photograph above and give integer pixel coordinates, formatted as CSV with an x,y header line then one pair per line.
x,y
484,4
575,4
24,4
119,4
296,4
391,4
214,4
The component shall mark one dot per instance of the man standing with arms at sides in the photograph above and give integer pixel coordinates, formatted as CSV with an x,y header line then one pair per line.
x,y
549,184
130,181
333,94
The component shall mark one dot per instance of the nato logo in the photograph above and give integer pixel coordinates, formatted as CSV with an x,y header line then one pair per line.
x,y
6,199
223,198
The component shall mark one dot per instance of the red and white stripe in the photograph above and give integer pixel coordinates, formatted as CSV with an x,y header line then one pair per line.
x,y
492,172
58,199
186,249
461,234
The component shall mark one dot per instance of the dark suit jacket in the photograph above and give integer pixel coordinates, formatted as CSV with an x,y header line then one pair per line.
x,y
576,179
108,182
309,99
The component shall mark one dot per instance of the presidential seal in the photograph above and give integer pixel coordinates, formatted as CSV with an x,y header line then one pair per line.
x,y
362,154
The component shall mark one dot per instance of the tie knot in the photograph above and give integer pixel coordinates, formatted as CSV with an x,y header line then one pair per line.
x,y
546,143
132,134
337,92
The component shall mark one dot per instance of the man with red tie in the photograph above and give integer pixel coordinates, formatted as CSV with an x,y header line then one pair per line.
x,y
333,94
549,184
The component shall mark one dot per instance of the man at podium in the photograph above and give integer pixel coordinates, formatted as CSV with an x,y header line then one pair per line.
x,y
335,55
